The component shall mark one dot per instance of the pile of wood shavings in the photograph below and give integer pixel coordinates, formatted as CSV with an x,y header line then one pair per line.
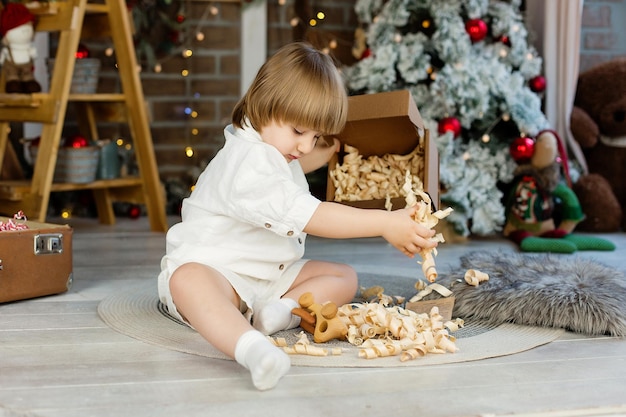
x,y
376,177
381,331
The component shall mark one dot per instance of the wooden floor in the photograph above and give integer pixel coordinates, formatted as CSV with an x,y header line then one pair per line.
x,y
57,358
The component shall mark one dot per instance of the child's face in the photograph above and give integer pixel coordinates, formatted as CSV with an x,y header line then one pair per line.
x,y
292,141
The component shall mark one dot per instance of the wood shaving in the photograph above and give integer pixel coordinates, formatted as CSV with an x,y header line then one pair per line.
x,y
424,216
304,347
475,277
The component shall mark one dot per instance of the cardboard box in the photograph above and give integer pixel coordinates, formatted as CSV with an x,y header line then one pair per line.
x,y
35,262
387,123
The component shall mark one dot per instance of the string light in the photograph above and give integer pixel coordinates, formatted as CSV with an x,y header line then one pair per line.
x,y
189,151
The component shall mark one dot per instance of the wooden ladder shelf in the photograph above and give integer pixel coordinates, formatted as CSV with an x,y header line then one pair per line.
x,y
32,196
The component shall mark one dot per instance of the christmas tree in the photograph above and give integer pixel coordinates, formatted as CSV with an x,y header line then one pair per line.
x,y
476,80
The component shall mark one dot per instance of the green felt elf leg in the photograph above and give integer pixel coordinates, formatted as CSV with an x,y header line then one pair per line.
x,y
584,242
545,244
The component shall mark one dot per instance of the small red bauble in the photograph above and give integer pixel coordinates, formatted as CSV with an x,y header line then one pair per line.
x,y
505,40
476,29
76,141
134,211
367,52
522,149
82,52
449,124
537,84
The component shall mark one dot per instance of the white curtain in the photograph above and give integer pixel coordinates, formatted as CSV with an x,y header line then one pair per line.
x,y
561,54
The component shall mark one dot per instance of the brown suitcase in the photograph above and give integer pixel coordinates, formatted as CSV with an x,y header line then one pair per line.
x,y
36,261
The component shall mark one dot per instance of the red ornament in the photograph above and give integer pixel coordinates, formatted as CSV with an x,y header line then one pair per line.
x,y
82,52
134,211
505,40
367,52
76,141
522,149
537,84
180,18
449,124
476,29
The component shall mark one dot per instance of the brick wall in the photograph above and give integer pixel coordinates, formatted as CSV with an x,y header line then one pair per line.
x,y
603,35
212,87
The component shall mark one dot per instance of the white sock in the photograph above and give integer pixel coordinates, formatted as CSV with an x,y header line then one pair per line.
x,y
276,316
266,362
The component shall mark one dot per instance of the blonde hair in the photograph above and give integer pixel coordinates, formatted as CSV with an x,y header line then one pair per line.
x,y
298,85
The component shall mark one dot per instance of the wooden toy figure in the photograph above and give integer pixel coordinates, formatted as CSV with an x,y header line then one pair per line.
x,y
17,32
320,319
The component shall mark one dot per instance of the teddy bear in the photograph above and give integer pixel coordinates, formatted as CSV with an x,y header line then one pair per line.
x,y
598,124
542,210
18,51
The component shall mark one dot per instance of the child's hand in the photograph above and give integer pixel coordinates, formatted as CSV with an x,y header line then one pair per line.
x,y
405,234
320,155
329,145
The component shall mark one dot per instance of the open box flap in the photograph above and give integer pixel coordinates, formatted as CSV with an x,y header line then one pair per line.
x,y
383,123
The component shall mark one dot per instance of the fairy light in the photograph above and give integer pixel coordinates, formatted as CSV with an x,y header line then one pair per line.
x,y
333,44
187,53
194,114
199,36
281,2
425,23
108,51
312,22
195,131
397,38
320,15
184,73
485,138
157,68
189,151
294,22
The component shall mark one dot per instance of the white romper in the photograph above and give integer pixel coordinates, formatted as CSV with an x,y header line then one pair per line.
x,y
245,218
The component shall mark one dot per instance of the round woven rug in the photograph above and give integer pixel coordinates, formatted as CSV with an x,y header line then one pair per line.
x,y
138,313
